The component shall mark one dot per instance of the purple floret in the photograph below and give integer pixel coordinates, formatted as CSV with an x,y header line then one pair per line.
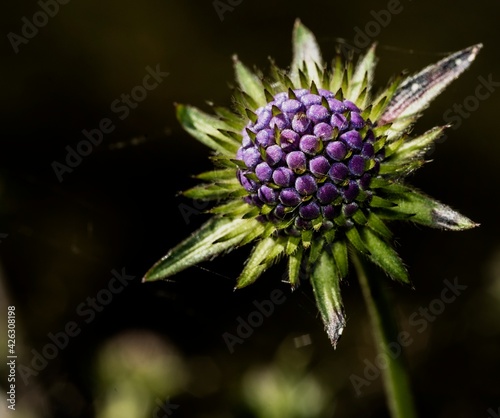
x,y
309,211
265,138
323,130
283,176
327,193
338,172
317,113
274,154
297,161
336,150
357,165
319,166
310,144
289,197
289,140
351,191
263,172
306,185
267,195
251,157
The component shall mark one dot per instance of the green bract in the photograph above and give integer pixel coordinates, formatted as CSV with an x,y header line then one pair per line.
x,y
310,166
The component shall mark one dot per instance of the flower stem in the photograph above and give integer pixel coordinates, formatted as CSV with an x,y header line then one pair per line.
x,y
385,331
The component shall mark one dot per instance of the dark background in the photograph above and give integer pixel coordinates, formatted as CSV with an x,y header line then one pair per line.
x,y
119,209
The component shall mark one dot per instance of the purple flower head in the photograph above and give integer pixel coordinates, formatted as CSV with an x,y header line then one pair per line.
x,y
310,154
310,165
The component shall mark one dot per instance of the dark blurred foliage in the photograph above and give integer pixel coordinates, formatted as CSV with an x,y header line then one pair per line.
x,y
119,208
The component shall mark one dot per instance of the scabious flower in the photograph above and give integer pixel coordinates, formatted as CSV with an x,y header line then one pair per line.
x,y
310,165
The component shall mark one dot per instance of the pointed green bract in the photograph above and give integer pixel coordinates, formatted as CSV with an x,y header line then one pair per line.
x,y
315,250
339,251
305,52
294,264
428,211
382,254
204,128
215,175
256,232
378,226
202,245
416,147
325,281
379,104
417,91
399,171
364,71
249,82
380,202
355,239
262,257
399,127
337,75
215,191
232,120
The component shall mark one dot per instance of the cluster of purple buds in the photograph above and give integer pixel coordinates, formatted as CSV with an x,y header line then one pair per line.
x,y
307,160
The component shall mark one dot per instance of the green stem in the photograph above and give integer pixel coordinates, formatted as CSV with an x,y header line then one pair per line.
x,y
385,331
